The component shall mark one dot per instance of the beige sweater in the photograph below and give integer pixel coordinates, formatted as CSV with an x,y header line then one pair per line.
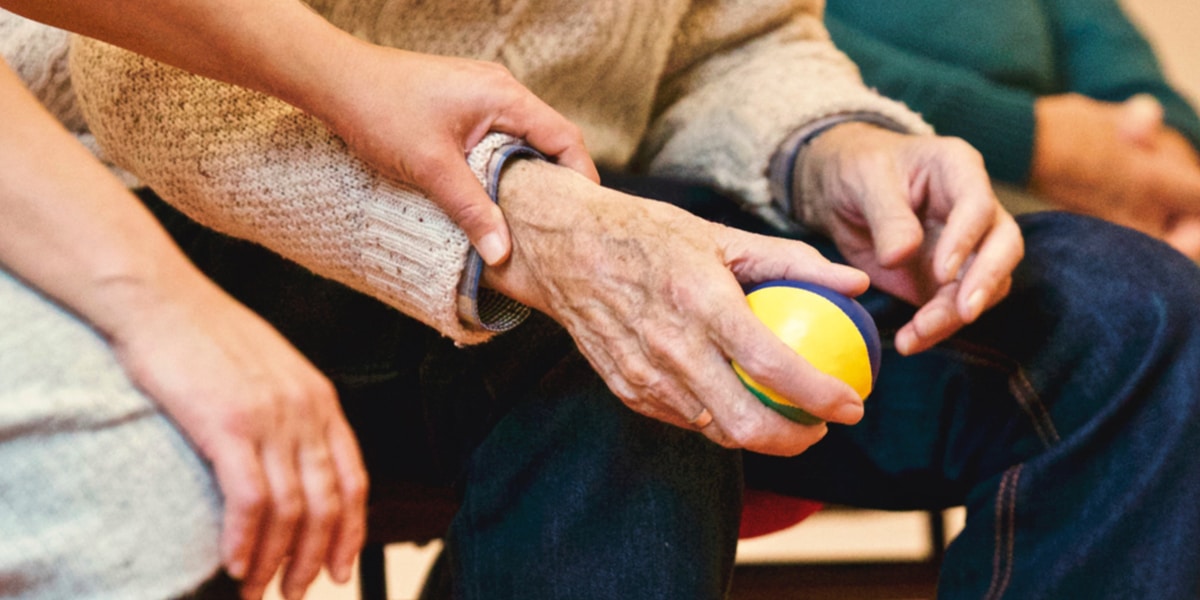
x,y
701,90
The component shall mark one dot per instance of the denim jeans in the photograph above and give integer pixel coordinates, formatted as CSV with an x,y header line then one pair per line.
x,y
1065,420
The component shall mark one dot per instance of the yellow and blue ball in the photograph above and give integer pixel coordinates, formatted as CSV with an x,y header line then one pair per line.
x,y
831,331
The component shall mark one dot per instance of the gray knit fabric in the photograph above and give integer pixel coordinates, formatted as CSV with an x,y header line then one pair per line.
x,y
101,497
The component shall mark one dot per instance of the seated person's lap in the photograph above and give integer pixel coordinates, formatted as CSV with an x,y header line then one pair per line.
x,y
98,490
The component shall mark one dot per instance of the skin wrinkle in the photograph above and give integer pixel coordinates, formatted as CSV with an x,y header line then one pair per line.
x,y
634,363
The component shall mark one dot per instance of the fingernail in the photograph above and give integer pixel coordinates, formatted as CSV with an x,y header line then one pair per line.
x,y
975,305
951,266
850,412
491,249
341,573
932,322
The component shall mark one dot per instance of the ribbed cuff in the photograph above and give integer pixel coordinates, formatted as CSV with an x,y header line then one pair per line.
x,y
785,163
483,308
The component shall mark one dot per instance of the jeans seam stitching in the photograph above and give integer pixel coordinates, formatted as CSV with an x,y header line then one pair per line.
x,y
1002,560
1022,389
1019,386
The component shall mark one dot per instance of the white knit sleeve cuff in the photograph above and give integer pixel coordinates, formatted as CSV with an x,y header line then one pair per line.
x,y
483,308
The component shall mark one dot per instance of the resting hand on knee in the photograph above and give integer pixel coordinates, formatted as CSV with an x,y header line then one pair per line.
x,y
917,213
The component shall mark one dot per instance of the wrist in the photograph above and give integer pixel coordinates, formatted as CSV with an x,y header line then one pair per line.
x,y
790,177
312,66
120,303
544,205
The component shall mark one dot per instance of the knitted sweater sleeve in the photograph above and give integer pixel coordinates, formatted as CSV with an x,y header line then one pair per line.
x,y
739,82
256,168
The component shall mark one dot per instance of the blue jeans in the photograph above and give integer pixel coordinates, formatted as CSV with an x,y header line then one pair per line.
x,y
1064,419
1067,421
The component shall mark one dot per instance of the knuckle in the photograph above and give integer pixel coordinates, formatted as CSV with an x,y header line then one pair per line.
x,y
247,501
637,372
962,150
355,489
468,213
321,387
326,512
288,508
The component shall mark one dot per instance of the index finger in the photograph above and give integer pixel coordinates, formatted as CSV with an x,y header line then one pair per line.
x,y
984,282
962,194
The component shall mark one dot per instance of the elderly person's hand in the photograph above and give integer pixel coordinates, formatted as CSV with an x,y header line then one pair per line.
x,y
1118,162
917,213
653,297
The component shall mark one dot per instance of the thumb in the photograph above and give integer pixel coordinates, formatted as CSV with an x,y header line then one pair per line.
x,y
1139,120
462,197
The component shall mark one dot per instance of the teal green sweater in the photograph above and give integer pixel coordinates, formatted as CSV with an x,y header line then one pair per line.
x,y
973,68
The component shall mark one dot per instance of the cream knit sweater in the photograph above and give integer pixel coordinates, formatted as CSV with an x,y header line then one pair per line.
x,y
701,90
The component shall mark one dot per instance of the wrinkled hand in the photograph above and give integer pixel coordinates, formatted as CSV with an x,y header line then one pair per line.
x,y
918,215
415,116
286,461
1119,162
652,296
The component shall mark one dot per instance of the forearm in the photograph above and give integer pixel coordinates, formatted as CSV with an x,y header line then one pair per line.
x,y
71,229
278,47
250,166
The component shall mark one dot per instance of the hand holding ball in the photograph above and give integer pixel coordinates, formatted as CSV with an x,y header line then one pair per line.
x,y
831,331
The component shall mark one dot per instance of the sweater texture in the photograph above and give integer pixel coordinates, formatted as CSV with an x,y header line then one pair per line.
x,y
705,91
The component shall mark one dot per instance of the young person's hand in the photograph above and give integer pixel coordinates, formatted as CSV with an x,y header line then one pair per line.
x,y
284,456
416,116
413,117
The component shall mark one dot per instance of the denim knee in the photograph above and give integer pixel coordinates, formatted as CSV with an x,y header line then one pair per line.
x,y
1088,287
